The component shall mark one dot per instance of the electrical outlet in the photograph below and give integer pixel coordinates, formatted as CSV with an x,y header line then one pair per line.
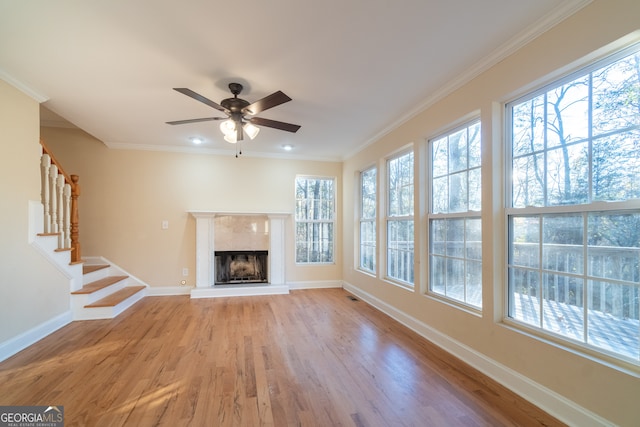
x,y
185,271
165,224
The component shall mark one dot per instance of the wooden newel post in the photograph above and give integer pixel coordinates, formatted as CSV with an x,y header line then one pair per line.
x,y
75,230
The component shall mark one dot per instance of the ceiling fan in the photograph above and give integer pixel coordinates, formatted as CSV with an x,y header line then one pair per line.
x,y
239,113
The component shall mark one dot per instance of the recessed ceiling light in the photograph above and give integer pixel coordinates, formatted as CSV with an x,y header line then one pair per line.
x,y
196,140
287,147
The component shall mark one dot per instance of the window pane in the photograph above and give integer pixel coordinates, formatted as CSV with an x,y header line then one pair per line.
x,y
524,294
563,312
455,279
615,96
440,195
438,236
368,245
400,250
473,245
475,153
528,126
616,167
475,190
455,238
568,112
525,241
567,175
368,193
613,318
458,192
562,248
400,185
458,151
614,246
474,283
528,181
440,157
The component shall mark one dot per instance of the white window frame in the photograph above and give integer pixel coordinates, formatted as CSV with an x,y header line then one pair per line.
x,y
579,211
330,222
368,247
468,293
396,256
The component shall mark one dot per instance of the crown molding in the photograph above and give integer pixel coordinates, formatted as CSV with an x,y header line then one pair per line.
x,y
559,14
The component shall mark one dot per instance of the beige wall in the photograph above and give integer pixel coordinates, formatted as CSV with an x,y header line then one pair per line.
x,y
32,291
608,392
126,194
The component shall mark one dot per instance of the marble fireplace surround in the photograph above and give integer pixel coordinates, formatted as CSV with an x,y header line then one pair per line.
x,y
273,237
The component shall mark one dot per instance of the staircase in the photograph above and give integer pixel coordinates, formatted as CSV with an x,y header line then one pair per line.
x,y
105,293
99,289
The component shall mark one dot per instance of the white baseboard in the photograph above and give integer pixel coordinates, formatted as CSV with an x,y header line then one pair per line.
x,y
239,291
165,291
319,284
549,401
33,335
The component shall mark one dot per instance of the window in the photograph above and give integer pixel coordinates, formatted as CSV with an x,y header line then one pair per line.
x,y
315,220
400,218
368,200
455,235
574,211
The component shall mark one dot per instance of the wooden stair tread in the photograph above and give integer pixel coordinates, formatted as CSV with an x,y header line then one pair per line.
x,y
116,297
86,269
98,284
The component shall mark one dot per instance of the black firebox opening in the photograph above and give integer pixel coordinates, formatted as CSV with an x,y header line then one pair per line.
x,y
237,267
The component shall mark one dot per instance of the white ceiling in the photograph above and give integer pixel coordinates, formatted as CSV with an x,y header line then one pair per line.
x,y
354,68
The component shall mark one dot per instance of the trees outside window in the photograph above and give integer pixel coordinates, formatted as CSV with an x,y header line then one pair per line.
x,y
368,200
400,236
573,214
455,234
315,220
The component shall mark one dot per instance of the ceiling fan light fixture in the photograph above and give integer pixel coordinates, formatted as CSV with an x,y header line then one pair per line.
x,y
231,138
251,130
228,127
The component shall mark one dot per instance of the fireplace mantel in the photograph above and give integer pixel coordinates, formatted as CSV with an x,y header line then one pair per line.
x,y
205,260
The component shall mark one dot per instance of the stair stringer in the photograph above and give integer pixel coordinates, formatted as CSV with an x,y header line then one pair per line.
x,y
46,245
79,302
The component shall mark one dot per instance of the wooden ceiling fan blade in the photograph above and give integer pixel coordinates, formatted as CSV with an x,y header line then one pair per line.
x,y
267,102
205,119
200,98
274,124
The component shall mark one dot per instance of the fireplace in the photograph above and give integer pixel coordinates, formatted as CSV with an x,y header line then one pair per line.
x,y
235,232
239,267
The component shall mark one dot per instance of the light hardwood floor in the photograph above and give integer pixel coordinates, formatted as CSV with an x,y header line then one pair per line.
x,y
311,358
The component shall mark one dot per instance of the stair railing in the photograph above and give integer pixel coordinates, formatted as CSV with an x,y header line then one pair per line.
x,y
59,195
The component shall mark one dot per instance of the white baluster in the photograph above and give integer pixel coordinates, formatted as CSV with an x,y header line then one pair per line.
x,y
45,165
67,216
60,205
53,199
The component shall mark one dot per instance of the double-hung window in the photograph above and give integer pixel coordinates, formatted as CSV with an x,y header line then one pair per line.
x,y
573,208
315,220
368,200
400,237
455,234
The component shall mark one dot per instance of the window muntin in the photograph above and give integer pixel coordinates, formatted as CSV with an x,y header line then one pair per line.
x,y
573,261
400,236
368,200
315,220
455,233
